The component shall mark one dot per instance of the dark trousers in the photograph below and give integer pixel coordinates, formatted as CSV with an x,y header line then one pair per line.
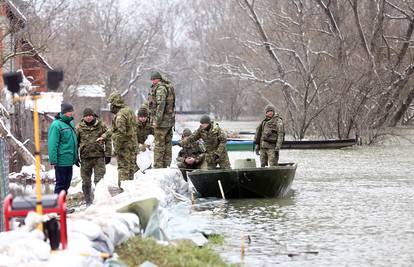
x,y
63,178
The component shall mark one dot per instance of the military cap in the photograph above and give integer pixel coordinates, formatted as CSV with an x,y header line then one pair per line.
x,y
269,108
142,112
87,112
155,75
115,99
186,132
205,119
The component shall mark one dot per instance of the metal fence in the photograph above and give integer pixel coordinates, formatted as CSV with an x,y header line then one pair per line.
x,y
4,178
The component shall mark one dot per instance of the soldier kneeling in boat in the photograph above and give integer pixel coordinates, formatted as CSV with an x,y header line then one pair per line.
x,y
269,138
192,154
215,141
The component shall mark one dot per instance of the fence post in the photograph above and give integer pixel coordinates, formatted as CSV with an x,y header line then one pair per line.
x,y
4,179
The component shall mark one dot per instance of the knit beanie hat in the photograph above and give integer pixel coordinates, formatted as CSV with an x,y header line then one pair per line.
x,y
65,107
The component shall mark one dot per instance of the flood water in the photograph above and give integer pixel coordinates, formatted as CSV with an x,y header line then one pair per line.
x,y
350,207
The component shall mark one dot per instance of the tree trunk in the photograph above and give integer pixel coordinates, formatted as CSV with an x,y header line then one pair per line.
x,y
21,150
402,109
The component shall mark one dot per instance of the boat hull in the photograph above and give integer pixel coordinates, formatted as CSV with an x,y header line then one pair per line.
x,y
245,183
247,145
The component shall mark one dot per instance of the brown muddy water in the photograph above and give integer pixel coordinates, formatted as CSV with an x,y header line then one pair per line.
x,y
350,207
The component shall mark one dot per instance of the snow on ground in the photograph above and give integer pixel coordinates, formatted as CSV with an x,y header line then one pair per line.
x,y
99,228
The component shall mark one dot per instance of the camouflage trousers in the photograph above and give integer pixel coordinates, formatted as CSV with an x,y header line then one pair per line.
x,y
89,166
162,147
269,157
127,165
223,161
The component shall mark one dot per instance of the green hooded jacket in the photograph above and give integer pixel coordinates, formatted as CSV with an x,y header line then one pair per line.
x,y
62,142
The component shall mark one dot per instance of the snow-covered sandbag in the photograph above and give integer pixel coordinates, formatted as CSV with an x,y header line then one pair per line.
x,y
7,261
150,141
111,175
144,160
72,258
90,229
116,230
26,247
131,220
80,242
102,195
174,151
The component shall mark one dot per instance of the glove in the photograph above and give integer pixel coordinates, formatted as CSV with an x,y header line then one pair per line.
x,y
257,149
107,160
216,158
78,162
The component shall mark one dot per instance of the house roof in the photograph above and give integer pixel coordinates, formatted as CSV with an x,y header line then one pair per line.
x,y
49,102
16,13
88,90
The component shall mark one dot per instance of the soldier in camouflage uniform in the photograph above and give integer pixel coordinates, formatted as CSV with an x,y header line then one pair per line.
x,y
144,127
124,137
191,155
93,155
215,140
269,138
161,102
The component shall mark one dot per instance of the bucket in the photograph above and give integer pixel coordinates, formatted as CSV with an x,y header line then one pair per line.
x,y
244,163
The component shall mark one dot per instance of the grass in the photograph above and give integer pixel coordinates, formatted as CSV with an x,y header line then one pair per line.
x,y
182,254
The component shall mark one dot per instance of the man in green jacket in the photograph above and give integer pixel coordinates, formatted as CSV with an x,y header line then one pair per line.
x,y
93,155
215,141
269,138
63,147
161,102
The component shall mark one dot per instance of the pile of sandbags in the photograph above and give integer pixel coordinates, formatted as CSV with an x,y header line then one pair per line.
x,y
91,238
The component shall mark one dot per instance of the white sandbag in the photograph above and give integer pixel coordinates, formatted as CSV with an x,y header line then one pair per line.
x,y
80,243
116,230
144,160
86,227
150,141
25,247
102,195
174,151
131,220
111,175
72,258
8,261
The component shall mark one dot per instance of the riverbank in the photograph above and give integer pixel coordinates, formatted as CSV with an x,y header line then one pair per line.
x,y
137,250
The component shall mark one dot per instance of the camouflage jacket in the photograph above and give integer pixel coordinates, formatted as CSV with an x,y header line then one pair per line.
x,y
194,149
123,131
215,139
143,130
270,133
161,103
87,135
